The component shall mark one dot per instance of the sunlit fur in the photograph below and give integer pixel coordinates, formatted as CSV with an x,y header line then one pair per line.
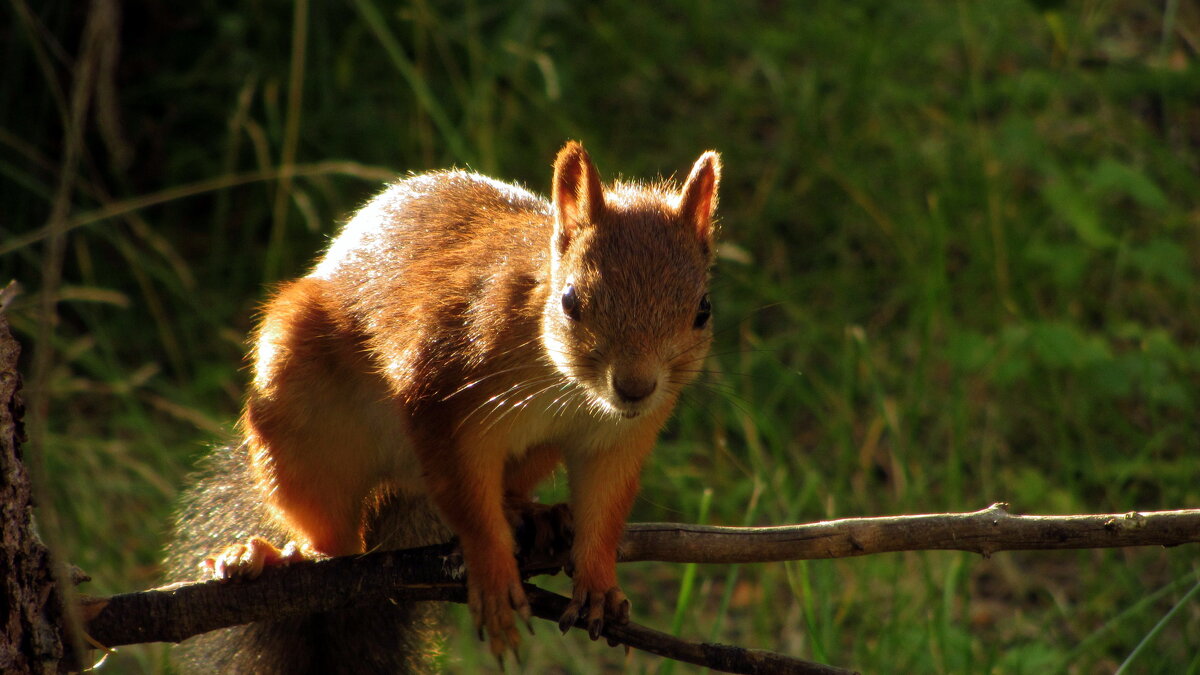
x,y
428,356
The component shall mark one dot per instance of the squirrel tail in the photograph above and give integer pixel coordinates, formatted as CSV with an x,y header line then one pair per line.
x,y
224,505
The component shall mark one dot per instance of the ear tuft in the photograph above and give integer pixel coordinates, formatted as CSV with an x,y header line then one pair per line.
x,y
698,199
578,195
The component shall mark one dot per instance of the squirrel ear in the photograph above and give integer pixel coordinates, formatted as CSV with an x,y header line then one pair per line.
x,y
578,196
698,200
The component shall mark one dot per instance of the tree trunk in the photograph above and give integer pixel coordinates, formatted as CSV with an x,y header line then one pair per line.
x,y
30,605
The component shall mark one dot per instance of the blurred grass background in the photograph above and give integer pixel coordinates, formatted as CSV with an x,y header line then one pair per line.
x,y
961,243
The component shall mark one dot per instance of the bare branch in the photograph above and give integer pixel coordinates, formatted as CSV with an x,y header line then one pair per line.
x,y
719,657
984,532
435,573
429,574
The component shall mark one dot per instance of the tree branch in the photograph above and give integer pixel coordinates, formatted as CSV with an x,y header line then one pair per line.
x,y
984,532
435,573
432,573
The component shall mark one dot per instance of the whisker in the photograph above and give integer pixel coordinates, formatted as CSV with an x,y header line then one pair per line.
x,y
744,350
565,397
521,404
499,400
742,404
476,381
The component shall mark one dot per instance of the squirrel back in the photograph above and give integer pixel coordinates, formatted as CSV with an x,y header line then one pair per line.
x,y
446,272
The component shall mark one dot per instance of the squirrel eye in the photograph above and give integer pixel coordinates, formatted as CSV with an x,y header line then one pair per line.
x,y
703,313
570,302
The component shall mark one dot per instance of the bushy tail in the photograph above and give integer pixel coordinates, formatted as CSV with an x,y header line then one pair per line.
x,y
224,506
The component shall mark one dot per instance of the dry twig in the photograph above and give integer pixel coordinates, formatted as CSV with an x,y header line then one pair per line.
x,y
984,532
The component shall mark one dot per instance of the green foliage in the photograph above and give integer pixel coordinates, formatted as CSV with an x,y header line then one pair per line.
x,y
960,244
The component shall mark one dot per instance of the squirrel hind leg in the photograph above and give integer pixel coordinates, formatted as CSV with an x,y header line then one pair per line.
x,y
322,427
330,521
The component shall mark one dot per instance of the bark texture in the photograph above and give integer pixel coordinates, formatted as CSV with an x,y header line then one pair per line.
x,y
32,640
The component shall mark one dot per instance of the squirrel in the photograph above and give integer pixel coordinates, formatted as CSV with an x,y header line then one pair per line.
x,y
459,340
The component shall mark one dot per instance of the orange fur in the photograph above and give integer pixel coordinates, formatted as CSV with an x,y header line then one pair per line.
x,y
320,489
521,476
603,487
435,351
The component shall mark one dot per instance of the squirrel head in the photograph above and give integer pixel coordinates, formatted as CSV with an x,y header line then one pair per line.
x,y
628,316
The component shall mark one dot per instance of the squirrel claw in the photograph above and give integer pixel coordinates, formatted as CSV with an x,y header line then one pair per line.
x,y
594,627
596,606
569,617
621,616
492,611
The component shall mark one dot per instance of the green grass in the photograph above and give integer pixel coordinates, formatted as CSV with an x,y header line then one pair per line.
x,y
961,243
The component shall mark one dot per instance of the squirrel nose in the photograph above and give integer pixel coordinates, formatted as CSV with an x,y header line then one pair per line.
x,y
632,388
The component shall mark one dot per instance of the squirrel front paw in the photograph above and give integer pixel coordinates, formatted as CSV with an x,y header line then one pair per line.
x,y
247,561
595,607
493,601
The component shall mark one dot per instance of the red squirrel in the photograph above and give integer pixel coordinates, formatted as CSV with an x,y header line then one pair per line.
x,y
459,340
